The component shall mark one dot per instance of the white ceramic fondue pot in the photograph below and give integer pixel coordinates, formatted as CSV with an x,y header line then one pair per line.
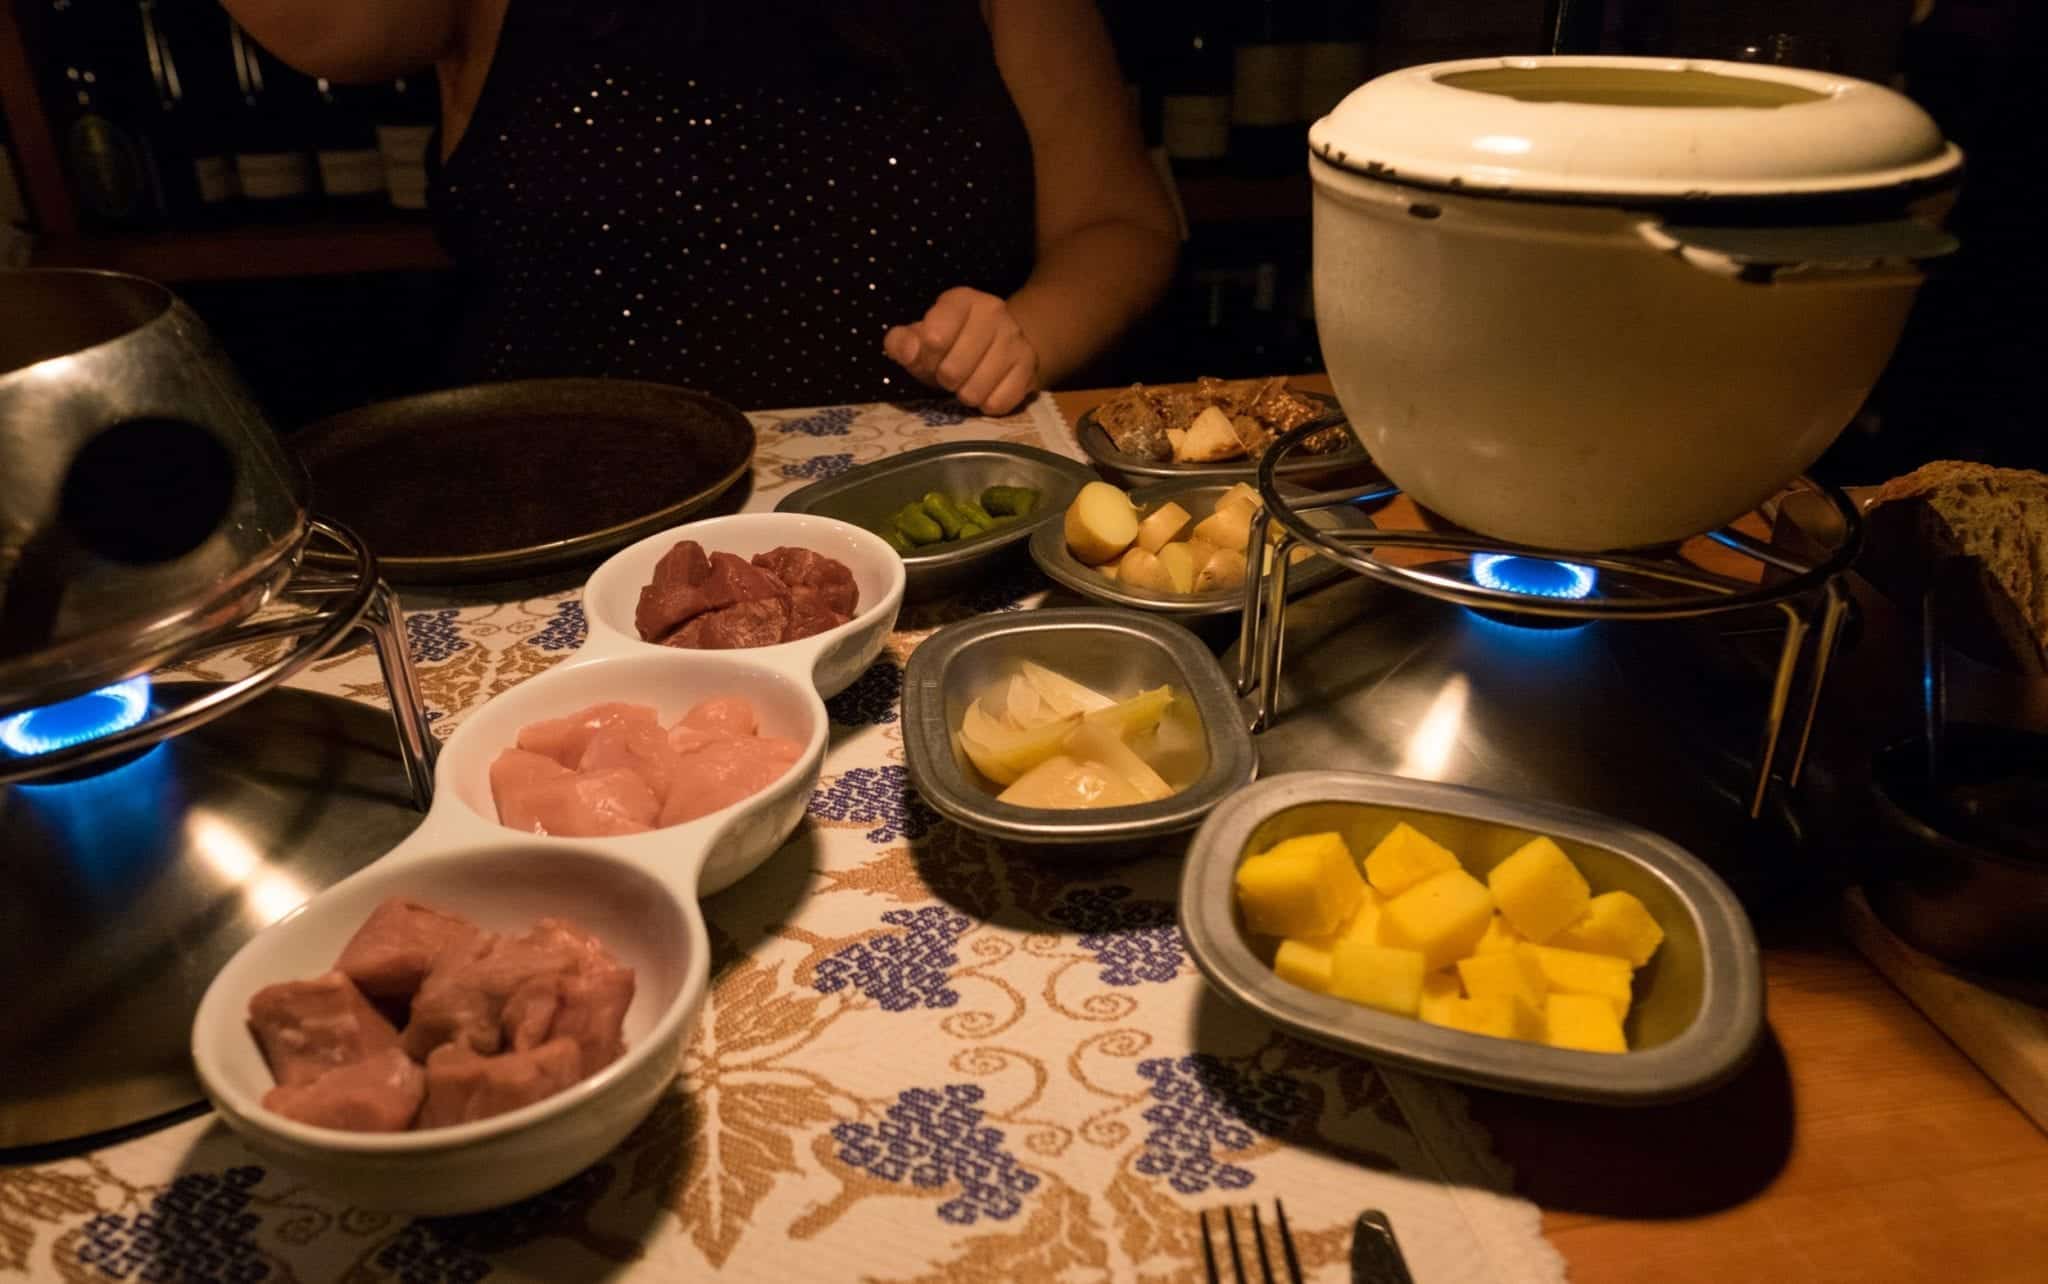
x,y
1588,303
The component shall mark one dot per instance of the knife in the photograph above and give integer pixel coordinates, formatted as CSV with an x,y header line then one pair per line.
x,y
1375,1255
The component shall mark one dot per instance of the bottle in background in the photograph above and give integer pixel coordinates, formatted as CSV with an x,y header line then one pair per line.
x,y
345,147
1194,74
100,106
272,132
1335,58
1267,131
192,81
405,129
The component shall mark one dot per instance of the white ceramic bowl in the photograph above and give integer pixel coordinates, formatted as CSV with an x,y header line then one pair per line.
x,y
830,660
637,892
648,922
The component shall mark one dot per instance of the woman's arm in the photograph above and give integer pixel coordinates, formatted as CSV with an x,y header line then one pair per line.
x,y
1107,237
354,40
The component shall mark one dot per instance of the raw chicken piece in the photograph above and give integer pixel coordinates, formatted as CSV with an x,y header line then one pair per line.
x,y
463,1087
392,952
565,739
593,804
380,1093
306,1028
677,592
517,771
642,749
723,713
806,572
724,770
761,622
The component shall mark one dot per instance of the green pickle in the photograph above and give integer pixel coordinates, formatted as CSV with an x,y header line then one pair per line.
x,y
945,513
1010,501
896,540
939,518
918,526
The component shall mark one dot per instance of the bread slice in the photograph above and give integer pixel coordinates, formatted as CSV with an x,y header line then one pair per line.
x,y
1997,520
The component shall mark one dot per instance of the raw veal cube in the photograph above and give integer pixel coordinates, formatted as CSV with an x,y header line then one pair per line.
x,y
1500,1015
1377,976
1582,1021
1303,887
1404,858
1576,972
1364,926
1304,964
1539,890
1616,924
1499,938
1512,973
1443,916
1438,988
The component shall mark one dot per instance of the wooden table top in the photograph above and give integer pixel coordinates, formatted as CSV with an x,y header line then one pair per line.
x,y
1858,1146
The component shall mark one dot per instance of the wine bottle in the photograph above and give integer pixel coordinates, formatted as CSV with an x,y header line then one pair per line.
x,y
1335,59
1267,133
190,78
273,162
1194,88
104,130
351,166
406,120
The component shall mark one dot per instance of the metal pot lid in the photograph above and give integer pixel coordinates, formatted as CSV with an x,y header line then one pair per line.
x,y
1620,129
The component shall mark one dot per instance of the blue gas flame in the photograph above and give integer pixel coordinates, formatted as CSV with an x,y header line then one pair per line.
x,y
75,721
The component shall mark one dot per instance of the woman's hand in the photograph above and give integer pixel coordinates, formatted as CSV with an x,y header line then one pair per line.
x,y
971,345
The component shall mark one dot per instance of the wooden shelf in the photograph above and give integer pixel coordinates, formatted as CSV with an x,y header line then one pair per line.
x,y
254,251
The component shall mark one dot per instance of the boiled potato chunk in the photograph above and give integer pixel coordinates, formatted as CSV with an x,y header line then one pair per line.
x,y
1100,523
1576,972
1223,571
1404,858
1303,963
1500,1015
1065,782
1499,937
1302,887
1513,974
1615,924
1177,441
1226,528
1200,549
1584,1022
1210,439
1438,988
1377,976
1443,917
1539,890
1241,496
1143,570
1161,525
1179,565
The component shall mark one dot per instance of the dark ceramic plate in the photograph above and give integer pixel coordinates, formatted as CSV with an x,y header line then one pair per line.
x,y
1095,444
505,480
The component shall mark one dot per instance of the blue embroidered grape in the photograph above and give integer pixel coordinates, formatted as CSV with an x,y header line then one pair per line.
x,y
881,796
871,700
818,466
198,1230
1205,1106
432,635
565,631
929,1138
1134,941
900,970
833,422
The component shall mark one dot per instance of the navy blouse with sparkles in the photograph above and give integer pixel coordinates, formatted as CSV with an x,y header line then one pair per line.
x,y
649,205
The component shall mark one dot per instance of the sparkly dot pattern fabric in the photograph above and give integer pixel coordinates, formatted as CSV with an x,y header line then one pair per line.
x,y
638,206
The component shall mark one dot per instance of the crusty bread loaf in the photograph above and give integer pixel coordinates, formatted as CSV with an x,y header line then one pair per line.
x,y
1997,518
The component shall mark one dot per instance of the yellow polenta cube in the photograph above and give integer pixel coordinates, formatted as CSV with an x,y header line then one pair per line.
x,y
1364,925
1499,938
1303,963
1500,1015
1576,972
1302,887
1404,858
1443,916
1438,988
1377,976
1539,890
1616,924
1512,973
1582,1021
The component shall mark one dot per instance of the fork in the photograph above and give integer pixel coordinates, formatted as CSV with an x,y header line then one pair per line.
x,y
1266,1276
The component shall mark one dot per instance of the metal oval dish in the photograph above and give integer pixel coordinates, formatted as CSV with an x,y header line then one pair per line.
x,y
502,480
1115,652
867,495
1049,550
1095,444
1699,1003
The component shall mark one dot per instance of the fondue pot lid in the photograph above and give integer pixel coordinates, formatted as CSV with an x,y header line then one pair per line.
x,y
1631,129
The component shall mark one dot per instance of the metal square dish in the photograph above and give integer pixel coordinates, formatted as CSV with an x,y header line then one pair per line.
x,y
1115,652
868,495
1698,1007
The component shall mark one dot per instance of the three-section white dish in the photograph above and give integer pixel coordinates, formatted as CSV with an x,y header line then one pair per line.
x,y
638,893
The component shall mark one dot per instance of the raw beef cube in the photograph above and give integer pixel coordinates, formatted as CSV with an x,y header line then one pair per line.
x,y
723,713
462,1086
760,622
809,616
590,804
734,579
559,938
724,771
565,739
643,749
531,1011
464,998
593,1013
380,1093
393,950
306,1028
826,579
